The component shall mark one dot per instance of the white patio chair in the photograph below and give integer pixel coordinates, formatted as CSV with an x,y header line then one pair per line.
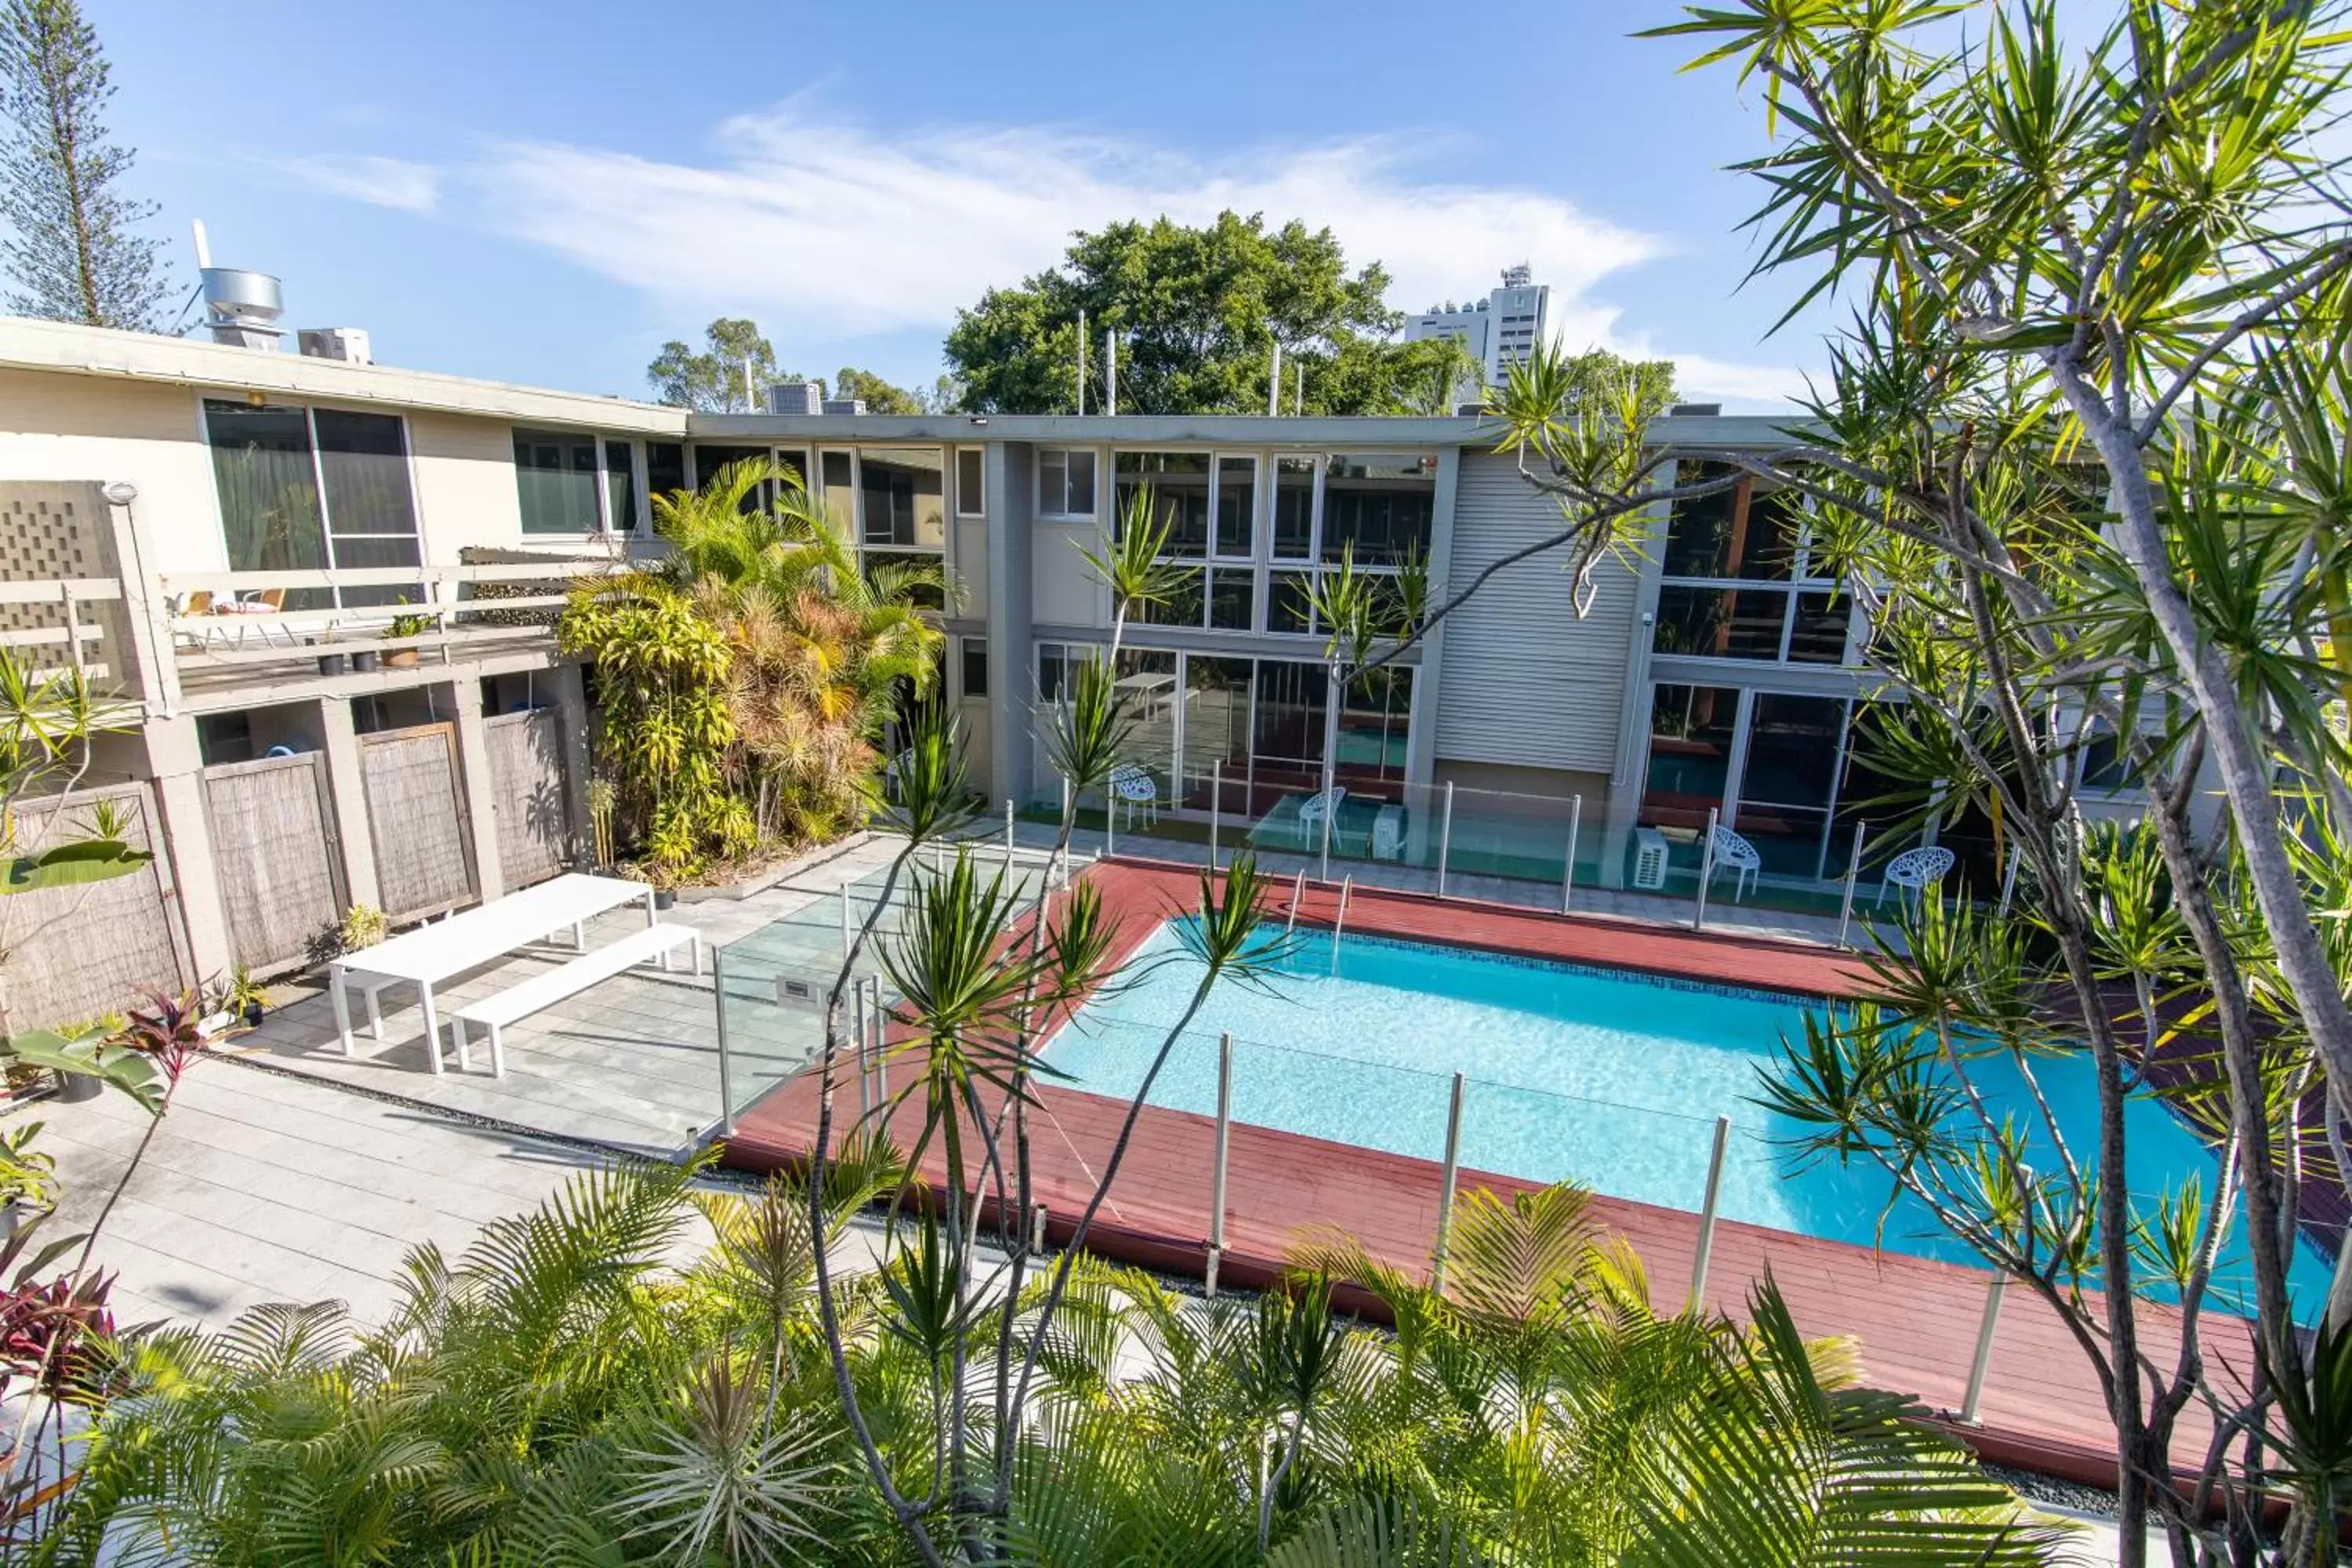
x,y
1733,851
1137,791
1311,810
1914,869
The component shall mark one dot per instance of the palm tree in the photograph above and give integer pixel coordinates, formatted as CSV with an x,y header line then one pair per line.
x,y
823,655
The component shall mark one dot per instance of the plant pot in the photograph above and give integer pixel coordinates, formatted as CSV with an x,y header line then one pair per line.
x,y
665,898
79,1089
253,1014
365,661
401,657
332,664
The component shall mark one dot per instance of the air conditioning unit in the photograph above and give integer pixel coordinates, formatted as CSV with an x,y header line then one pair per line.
x,y
794,397
1649,859
845,406
349,344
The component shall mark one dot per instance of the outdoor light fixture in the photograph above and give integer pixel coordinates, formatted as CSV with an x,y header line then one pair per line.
x,y
980,418
121,492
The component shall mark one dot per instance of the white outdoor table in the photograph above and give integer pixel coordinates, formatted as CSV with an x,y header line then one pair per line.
x,y
431,954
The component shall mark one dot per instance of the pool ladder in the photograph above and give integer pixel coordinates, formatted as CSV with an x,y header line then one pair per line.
x,y
1297,894
1341,922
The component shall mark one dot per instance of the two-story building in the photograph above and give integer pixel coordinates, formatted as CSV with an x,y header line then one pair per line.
x,y
329,587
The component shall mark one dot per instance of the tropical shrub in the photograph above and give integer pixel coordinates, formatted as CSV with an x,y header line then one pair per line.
x,y
558,1394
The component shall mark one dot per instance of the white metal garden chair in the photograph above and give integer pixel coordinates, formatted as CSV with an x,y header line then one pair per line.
x,y
1914,870
1736,853
1312,809
1137,791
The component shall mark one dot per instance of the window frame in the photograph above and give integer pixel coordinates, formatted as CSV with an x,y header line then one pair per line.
x,y
1094,496
857,491
967,645
309,407
1791,591
1322,510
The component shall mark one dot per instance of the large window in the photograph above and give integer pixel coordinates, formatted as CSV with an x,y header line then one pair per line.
x,y
901,503
1250,734
570,482
1065,482
972,485
620,487
1383,506
664,468
1294,509
1739,580
309,488
1179,486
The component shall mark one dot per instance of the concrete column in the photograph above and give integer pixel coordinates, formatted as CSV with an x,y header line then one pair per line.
x,y
1012,670
343,747
175,765
571,707
481,787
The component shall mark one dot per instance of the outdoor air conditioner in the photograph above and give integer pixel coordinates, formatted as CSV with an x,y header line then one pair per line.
x,y
1649,859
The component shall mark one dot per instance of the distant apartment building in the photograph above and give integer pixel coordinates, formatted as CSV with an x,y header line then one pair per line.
x,y
1500,329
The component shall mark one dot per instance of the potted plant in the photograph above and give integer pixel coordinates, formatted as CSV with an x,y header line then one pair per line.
x,y
241,1002
411,626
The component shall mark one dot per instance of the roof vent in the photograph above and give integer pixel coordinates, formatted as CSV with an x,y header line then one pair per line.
x,y
1694,410
349,344
845,406
242,308
795,397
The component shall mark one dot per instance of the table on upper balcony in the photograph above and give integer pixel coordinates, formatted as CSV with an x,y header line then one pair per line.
x,y
435,953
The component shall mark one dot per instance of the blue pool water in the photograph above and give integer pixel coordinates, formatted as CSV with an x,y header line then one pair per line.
x,y
1605,1078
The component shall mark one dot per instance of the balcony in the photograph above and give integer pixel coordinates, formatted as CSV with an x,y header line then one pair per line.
x,y
206,642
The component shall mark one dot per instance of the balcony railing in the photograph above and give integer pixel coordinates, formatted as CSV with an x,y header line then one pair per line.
x,y
244,629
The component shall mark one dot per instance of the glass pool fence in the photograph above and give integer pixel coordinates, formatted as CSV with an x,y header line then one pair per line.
x,y
1541,851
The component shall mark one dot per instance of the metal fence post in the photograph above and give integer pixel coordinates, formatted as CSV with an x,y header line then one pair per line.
x,y
2009,882
1706,869
1216,802
1567,876
1008,836
1445,837
881,1039
1983,1361
726,1072
1224,1136
1331,810
865,1067
1707,1213
1852,875
1446,1194
1110,815
844,915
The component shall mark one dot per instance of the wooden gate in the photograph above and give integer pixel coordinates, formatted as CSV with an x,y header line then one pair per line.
x,y
273,850
416,818
79,951
535,824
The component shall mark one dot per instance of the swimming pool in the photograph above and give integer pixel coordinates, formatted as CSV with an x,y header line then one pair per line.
x,y
1607,1078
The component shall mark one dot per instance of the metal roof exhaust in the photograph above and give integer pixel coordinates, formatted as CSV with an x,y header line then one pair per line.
x,y
241,308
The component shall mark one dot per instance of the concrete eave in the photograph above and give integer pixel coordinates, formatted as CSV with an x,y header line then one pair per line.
x,y
1314,432
68,349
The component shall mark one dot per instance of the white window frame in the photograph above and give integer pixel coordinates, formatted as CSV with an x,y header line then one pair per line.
x,y
1217,461
309,407
857,503
1094,499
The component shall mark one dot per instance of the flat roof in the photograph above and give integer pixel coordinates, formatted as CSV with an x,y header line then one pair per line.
x,y
70,348
66,348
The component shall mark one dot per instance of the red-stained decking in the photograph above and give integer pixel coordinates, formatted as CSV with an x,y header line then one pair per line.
x,y
1917,1320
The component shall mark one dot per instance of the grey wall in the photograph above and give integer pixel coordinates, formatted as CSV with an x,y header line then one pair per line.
x,y
1524,681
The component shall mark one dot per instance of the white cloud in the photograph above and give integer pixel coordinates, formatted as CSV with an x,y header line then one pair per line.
x,y
359,177
828,224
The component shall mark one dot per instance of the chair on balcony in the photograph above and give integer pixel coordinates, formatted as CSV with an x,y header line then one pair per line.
x,y
1736,853
1914,870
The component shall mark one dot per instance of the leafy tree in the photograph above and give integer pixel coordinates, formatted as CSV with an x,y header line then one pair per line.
x,y
74,253
715,381
880,397
1197,313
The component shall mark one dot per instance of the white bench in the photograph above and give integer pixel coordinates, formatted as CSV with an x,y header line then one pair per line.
x,y
519,1001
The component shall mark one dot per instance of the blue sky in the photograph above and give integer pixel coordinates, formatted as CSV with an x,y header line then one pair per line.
x,y
544,195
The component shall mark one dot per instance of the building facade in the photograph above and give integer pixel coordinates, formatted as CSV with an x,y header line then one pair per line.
x,y
260,534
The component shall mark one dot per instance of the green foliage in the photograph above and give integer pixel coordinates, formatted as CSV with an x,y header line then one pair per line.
x,y
662,671
72,244
1197,313
715,380
878,395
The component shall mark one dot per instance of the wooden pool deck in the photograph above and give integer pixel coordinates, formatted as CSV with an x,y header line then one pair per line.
x,y
1917,1320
